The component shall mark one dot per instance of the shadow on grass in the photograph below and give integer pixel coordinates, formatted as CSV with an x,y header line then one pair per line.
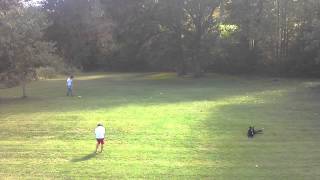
x,y
125,89
18,99
84,158
225,128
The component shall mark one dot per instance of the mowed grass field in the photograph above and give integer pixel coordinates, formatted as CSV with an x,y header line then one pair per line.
x,y
160,126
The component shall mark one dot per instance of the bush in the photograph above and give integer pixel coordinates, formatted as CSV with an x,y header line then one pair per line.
x,y
10,79
46,72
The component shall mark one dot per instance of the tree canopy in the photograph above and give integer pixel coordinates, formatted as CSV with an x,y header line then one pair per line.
x,y
22,47
192,36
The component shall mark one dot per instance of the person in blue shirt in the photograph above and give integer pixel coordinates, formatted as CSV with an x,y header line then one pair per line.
x,y
69,86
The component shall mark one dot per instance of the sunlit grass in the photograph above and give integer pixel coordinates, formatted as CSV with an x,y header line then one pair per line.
x,y
161,76
160,126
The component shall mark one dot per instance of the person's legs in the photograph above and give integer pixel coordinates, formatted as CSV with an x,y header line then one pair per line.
x,y
97,146
70,90
102,143
101,148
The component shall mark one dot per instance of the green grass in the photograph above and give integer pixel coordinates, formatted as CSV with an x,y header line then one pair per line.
x,y
162,127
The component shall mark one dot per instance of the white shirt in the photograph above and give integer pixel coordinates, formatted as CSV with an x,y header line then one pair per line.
x,y
69,82
100,131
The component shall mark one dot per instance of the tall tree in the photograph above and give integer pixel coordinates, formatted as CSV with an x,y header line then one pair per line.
x,y
201,22
171,16
135,27
80,29
22,43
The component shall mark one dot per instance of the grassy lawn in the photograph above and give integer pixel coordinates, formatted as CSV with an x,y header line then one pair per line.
x,y
162,127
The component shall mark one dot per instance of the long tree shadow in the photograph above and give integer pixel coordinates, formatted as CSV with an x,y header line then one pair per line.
x,y
99,95
115,92
233,106
84,158
228,147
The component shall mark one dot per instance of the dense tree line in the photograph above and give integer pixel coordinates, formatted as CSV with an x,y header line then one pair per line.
x,y
185,36
22,44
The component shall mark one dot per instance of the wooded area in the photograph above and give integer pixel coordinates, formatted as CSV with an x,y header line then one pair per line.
x,y
275,37
186,89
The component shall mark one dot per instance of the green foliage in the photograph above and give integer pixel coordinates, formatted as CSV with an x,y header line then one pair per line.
x,y
9,79
22,43
313,39
227,30
46,72
255,36
81,30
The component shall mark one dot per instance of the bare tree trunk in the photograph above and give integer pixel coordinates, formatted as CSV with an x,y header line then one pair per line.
x,y
181,67
282,36
197,72
222,8
278,40
196,59
181,70
23,84
284,30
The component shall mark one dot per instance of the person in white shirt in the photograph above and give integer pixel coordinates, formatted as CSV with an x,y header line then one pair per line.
x,y
100,133
69,86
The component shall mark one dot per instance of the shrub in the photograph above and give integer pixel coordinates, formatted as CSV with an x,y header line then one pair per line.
x,y
9,79
46,72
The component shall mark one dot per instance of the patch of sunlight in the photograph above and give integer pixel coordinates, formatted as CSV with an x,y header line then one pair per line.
x,y
311,84
92,77
80,77
227,30
161,76
44,137
163,109
275,93
237,100
254,98
167,110
132,112
135,117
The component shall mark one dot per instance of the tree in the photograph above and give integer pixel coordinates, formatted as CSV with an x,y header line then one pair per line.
x,y
135,28
81,30
247,36
171,17
22,43
5,5
201,22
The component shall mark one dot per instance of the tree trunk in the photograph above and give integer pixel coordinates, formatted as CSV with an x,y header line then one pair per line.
x,y
222,8
196,59
23,81
197,72
278,39
181,68
24,94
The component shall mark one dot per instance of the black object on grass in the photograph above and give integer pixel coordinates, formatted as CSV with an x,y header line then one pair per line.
x,y
252,132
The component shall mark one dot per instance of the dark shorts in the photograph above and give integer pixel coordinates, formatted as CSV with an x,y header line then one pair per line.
x,y
100,141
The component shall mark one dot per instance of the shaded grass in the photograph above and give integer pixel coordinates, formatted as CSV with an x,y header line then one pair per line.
x,y
85,158
161,126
